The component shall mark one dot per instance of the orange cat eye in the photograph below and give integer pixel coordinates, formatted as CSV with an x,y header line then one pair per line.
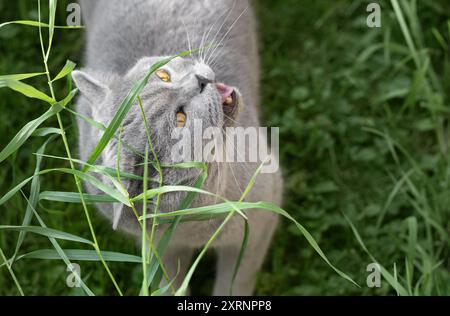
x,y
163,75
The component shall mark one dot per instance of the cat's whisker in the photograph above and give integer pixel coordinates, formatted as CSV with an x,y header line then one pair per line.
x,y
198,43
201,48
217,66
226,34
232,172
234,121
187,35
215,63
246,170
228,12
221,26
235,179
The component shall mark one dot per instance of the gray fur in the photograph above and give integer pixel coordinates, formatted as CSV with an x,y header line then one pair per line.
x,y
124,38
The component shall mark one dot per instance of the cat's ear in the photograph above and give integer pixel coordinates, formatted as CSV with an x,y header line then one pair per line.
x,y
91,87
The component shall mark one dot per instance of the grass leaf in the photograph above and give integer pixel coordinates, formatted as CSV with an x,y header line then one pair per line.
x,y
74,197
42,132
34,196
47,232
37,24
26,132
386,274
26,90
111,192
67,69
80,255
61,252
19,77
93,181
51,24
154,270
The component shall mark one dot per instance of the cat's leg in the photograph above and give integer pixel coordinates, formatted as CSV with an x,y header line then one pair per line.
x,y
258,244
177,261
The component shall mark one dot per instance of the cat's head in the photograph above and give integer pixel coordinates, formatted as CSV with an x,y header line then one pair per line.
x,y
177,95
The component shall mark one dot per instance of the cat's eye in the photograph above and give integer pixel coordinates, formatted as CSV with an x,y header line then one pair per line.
x,y
181,119
163,75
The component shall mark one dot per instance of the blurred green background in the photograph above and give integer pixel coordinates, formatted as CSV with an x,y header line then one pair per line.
x,y
364,132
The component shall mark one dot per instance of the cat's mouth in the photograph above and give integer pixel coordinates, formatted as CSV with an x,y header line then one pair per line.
x,y
229,99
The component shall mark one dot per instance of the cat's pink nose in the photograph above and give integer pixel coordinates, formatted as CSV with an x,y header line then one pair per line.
x,y
226,92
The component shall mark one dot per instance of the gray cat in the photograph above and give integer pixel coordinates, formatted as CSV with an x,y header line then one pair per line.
x,y
124,38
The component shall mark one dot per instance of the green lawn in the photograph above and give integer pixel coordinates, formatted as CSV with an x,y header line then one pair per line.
x,y
364,134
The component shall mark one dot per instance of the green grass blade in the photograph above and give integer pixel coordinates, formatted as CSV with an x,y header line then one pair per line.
x,y
31,127
51,24
11,272
14,190
163,290
240,256
396,280
67,69
88,120
19,77
170,189
80,255
144,230
47,232
154,274
37,24
74,197
119,196
275,209
412,225
215,209
61,253
166,288
46,131
106,171
386,274
26,90
395,191
34,196
194,218
406,32
183,288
